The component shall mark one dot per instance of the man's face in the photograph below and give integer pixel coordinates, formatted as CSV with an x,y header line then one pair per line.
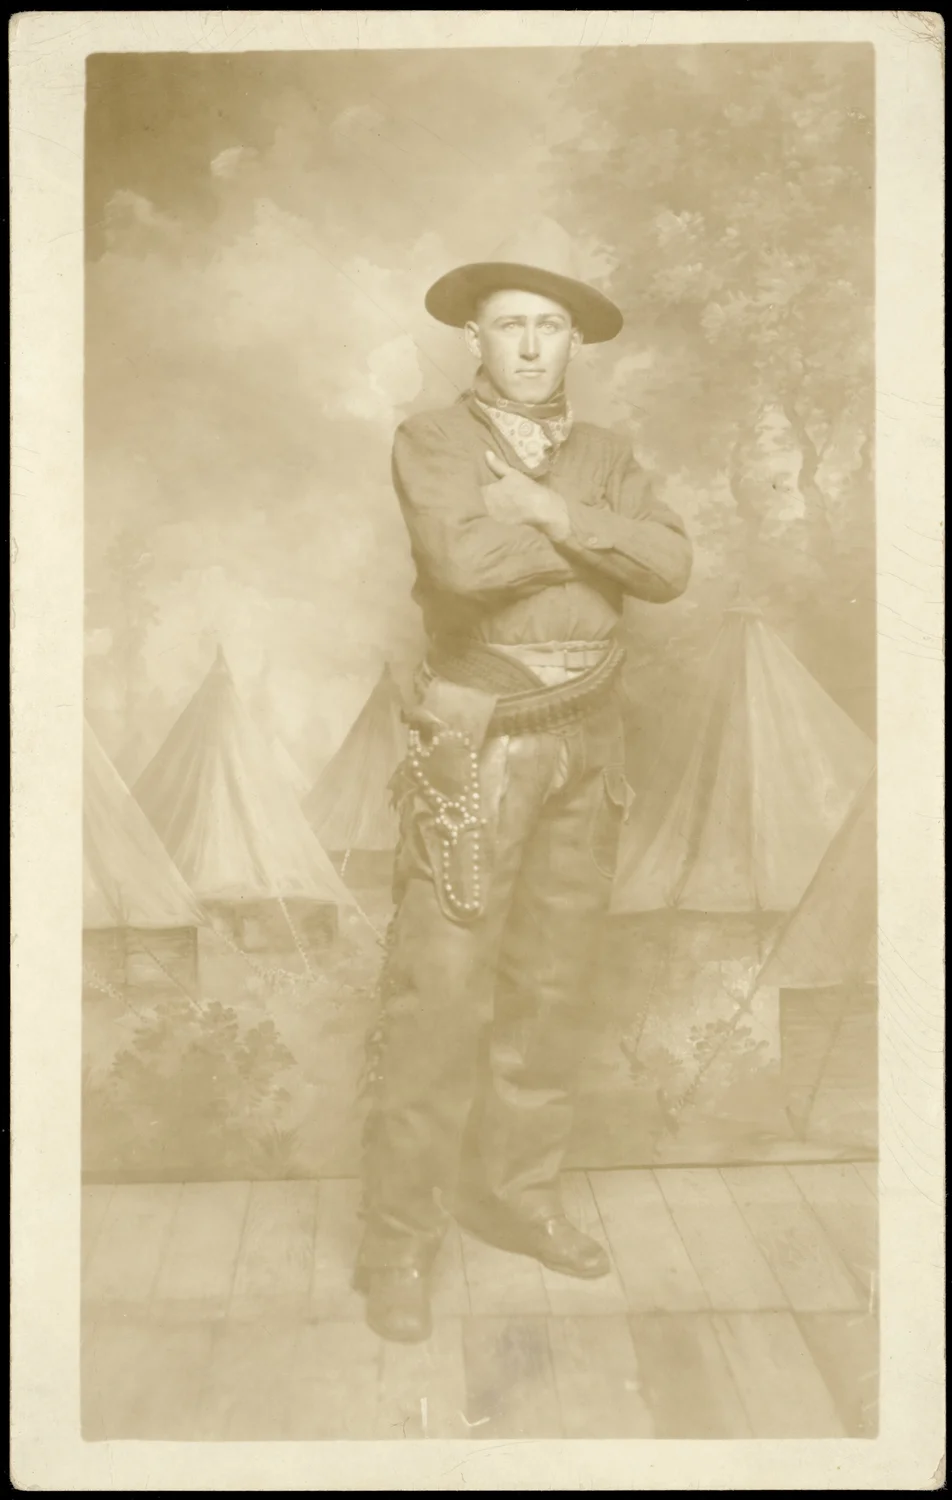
x,y
524,343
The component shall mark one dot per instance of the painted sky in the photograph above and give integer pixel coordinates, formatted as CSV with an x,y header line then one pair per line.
x,y
261,232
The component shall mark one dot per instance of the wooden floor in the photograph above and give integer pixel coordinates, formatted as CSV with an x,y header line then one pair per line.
x,y
742,1303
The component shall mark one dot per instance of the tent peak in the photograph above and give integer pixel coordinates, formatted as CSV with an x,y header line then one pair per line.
x,y
129,879
747,789
229,817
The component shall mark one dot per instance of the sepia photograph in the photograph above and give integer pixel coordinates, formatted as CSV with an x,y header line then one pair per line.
x,y
483,968
479,1004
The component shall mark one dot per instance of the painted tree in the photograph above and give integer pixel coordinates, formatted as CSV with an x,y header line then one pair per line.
x,y
734,189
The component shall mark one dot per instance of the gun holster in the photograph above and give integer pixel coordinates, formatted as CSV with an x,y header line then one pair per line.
x,y
447,730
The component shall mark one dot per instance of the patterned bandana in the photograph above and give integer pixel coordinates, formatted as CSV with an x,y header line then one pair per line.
x,y
535,433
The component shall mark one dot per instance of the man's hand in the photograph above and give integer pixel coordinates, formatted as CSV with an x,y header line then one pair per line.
x,y
521,501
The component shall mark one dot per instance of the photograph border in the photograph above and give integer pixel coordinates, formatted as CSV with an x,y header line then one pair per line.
x,y
48,52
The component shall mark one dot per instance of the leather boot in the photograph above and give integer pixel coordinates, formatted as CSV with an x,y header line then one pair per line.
x,y
398,1302
553,1241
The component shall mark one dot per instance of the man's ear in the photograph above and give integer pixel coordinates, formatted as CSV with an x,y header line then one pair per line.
x,y
576,343
471,335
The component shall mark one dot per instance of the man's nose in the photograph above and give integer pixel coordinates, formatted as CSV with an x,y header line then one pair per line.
x,y
529,343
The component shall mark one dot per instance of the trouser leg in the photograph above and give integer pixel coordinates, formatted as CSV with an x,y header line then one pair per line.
x,y
436,998
543,1020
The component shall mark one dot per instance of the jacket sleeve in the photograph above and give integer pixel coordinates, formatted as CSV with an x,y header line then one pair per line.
x,y
458,547
634,539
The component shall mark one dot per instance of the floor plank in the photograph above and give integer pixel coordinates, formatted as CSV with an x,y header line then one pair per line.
x,y
685,1380
500,1282
569,1295
792,1239
449,1288
423,1386
276,1257
335,1382
336,1243
648,1251
845,1349
94,1204
247,1388
597,1378
143,1380
723,1251
124,1264
841,1201
783,1392
197,1273
510,1386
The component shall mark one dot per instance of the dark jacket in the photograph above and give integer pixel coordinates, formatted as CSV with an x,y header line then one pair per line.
x,y
508,584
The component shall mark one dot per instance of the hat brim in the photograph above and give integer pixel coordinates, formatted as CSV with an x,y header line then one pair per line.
x,y
453,299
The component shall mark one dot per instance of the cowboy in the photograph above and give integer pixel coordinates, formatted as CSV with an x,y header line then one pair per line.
x,y
528,529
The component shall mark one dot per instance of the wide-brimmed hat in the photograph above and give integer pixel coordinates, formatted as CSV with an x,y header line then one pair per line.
x,y
541,258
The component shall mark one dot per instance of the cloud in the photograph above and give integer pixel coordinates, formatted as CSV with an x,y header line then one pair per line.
x,y
250,353
228,163
132,222
393,379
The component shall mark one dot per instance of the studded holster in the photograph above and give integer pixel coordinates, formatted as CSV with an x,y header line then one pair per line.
x,y
443,770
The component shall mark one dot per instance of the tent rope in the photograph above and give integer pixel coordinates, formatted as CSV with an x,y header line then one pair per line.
x,y
273,975
297,941
801,1125
380,936
193,999
676,1107
743,1007
641,1015
96,982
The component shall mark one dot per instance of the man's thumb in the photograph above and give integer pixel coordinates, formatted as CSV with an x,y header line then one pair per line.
x,y
496,464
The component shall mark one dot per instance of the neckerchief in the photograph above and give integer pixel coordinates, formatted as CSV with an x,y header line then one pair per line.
x,y
534,432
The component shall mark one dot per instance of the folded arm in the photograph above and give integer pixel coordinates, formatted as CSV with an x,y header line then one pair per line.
x,y
457,545
636,540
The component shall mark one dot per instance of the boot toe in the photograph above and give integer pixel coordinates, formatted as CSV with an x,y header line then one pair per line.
x,y
398,1325
568,1250
555,1241
398,1306
593,1261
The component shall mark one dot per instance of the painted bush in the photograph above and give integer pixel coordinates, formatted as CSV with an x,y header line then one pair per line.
x,y
261,1075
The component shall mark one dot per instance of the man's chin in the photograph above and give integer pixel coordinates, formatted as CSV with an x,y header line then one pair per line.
x,y
530,388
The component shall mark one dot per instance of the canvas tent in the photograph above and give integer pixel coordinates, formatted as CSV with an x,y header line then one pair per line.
x,y
349,806
288,767
262,703
139,916
729,823
747,791
133,756
822,965
233,825
830,938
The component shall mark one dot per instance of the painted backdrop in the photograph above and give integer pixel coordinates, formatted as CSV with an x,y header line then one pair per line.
x,y
261,229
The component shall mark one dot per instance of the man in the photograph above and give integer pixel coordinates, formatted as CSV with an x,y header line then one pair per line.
x,y
527,531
